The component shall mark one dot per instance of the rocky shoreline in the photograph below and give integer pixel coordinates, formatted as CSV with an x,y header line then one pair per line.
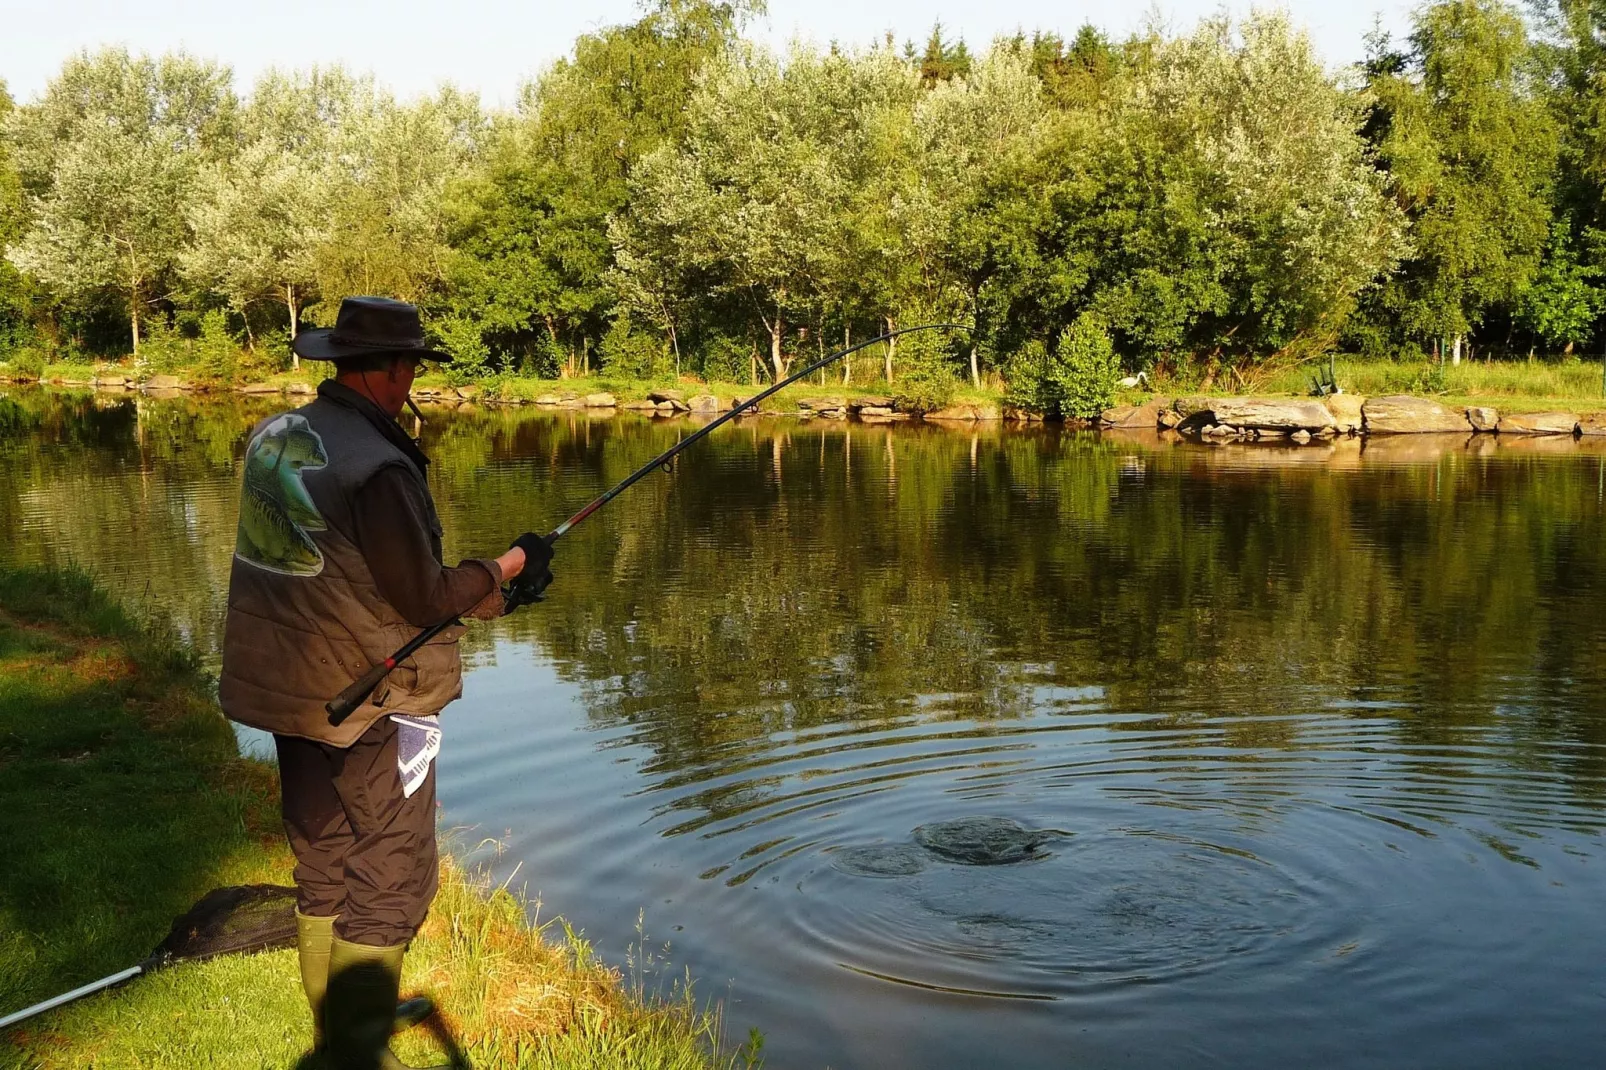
x,y
1300,421
1286,420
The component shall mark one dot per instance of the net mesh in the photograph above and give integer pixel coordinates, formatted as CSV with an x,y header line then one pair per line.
x,y
245,917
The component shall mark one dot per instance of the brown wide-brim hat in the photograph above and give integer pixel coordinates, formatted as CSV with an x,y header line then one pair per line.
x,y
368,325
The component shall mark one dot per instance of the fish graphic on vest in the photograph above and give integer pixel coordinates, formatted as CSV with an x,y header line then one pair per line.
x,y
275,510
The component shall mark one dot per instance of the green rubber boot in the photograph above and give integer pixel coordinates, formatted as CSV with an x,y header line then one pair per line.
x,y
312,945
359,1008
313,938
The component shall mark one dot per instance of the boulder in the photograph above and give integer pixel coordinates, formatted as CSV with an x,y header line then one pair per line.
x,y
954,413
601,401
1145,416
1169,419
1406,414
874,410
1193,406
112,380
668,407
468,393
1272,414
1538,423
1022,416
658,397
1592,423
549,399
705,403
1346,410
302,389
1483,419
823,404
874,401
640,406
1301,436
163,382
258,388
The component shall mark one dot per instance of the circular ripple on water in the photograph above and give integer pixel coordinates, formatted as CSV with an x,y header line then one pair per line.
x,y
880,860
1107,907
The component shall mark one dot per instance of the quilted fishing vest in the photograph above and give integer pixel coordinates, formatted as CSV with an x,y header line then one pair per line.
x,y
305,617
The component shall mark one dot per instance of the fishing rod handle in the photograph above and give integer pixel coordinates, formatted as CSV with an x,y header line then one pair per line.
x,y
356,693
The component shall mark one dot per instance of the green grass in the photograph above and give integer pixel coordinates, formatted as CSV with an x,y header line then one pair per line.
x,y
124,800
1570,385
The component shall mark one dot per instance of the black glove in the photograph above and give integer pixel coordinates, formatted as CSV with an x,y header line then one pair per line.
x,y
536,575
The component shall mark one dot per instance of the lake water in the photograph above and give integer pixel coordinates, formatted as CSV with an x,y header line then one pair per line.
x,y
1315,735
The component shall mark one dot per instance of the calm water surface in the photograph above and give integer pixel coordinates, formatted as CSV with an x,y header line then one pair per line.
x,y
1316,736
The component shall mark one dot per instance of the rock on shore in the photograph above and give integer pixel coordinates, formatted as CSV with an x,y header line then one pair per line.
x,y
1538,423
1404,414
1592,423
1272,414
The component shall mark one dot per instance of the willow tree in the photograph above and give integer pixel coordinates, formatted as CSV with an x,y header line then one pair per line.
x,y
388,228
760,194
977,137
259,218
107,157
1218,200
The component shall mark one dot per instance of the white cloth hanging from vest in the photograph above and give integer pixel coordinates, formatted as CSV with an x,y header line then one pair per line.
x,y
418,741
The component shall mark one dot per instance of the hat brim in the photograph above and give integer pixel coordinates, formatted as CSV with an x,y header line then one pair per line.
x,y
317,344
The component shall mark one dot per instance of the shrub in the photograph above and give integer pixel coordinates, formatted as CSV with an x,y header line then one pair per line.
x,y
633,353
1084,373
727,358
927,382
462,338
27,362
1025,374
216,353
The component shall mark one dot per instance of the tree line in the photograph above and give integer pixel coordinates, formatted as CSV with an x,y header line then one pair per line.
x,y
674,198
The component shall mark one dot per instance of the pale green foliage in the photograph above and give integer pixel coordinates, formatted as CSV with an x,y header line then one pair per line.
x,y
109,157
1259,214
257,222
756,197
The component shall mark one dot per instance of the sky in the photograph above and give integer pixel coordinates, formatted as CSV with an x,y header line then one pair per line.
x,y
492,46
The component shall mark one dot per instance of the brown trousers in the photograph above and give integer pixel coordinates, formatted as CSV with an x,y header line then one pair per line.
x,y
363,850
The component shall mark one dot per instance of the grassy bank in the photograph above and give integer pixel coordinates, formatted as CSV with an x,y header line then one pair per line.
x,y
124,800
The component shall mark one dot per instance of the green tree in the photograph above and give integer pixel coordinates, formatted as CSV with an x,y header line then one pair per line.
x,y
1563,301
108,157
1470,149
537,269
14,297
761,194
388,232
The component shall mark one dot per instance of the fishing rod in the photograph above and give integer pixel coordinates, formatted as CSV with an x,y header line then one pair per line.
x,y
344,704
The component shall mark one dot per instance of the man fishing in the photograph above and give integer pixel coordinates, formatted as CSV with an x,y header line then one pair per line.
x,y
337,562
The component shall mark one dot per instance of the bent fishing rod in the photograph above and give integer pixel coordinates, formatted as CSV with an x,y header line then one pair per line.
x,y
356,693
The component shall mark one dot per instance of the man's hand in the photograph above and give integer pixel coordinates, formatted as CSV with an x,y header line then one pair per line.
x,y
533,574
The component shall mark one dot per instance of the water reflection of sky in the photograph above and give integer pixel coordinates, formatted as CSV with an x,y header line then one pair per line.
x,y
1322,729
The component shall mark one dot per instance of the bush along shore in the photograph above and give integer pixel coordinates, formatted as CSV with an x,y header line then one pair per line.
x,y
126,800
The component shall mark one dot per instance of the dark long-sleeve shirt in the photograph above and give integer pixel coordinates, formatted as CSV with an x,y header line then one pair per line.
x,y
403,553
